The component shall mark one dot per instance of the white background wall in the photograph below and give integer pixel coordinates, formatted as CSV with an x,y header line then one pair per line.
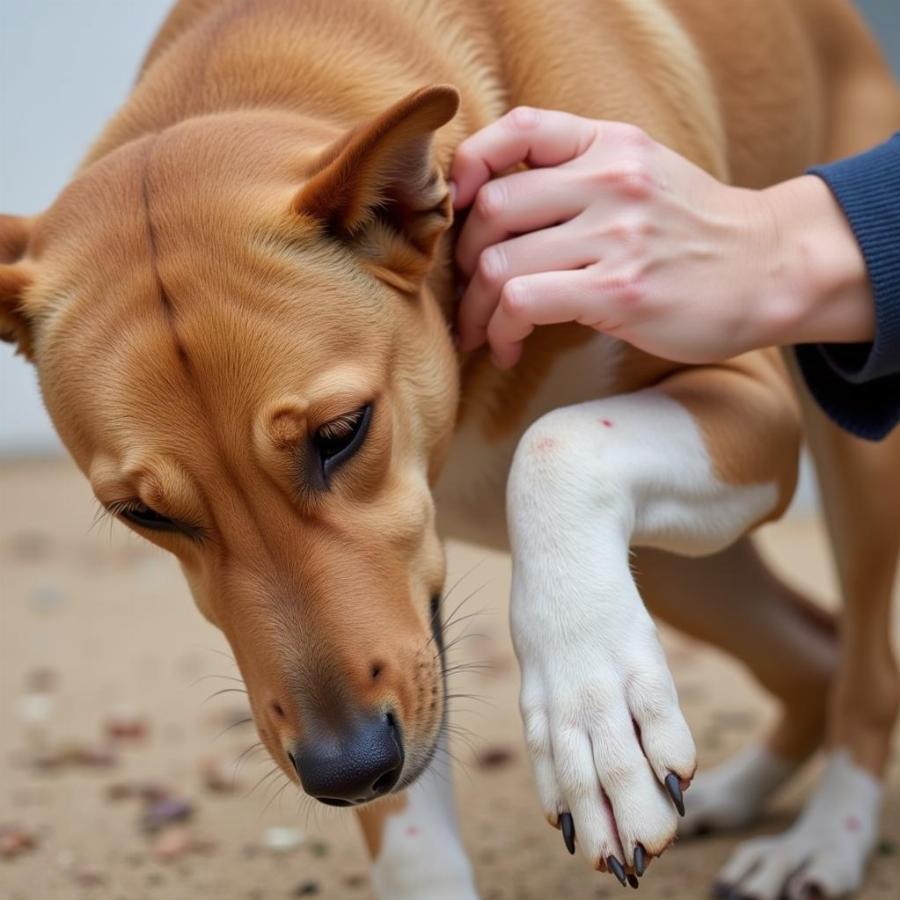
x,y
65,65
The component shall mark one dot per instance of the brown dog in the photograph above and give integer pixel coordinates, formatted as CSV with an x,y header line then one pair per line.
x,y
239,314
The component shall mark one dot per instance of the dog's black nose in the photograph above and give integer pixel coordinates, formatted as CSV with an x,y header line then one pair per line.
x,y
360,763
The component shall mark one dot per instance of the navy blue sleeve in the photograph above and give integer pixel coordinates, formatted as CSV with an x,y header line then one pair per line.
x,y
858,385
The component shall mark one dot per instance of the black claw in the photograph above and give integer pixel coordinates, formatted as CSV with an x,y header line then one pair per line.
x,y
616,868
632,880
673,786
640,860
567,826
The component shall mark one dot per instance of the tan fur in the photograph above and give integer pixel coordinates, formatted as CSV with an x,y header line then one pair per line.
x,y
240,260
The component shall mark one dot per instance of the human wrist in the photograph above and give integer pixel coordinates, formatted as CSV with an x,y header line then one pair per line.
x,y
820,288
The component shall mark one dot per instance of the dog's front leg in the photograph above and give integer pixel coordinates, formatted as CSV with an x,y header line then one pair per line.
x,y
607,739
414,841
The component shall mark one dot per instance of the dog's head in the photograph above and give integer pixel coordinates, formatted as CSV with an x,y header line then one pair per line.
x,y
235,340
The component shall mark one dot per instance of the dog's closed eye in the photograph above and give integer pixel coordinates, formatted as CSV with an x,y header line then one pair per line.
x,y
336,441
143,516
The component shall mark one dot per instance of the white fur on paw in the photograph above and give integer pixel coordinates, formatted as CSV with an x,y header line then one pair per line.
x,y
580,708
825,853
733,794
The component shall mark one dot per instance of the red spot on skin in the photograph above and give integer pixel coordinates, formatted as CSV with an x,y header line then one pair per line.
x,y
851,823
606,423
545,444
412,831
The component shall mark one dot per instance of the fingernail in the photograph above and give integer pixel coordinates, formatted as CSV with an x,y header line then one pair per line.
x,y
633,882
640,860
616,868
567,826
673,786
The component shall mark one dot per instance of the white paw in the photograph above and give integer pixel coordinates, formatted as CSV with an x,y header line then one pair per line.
x,y
604,730
733,794
824,855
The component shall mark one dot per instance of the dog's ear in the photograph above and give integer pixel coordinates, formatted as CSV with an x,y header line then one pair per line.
x,y
380,189
15,277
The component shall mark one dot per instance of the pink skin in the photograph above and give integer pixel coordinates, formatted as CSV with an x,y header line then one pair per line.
x,y
613,230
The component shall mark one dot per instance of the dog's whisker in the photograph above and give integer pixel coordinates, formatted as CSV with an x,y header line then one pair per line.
x,y
248,753
464,601
227,656
452,619
275,768
197,681
277,794
233,725
224,691
464,576
469,667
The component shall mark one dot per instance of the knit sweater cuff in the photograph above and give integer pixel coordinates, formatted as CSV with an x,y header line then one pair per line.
x,y
867,187
858,385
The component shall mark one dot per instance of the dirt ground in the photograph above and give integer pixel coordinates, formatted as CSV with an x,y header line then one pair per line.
x,y
97,632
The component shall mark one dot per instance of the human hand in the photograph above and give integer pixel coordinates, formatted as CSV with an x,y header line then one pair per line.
x,y
613,230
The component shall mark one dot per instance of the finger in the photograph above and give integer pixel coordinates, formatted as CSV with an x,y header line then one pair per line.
x,y
538,137
665,737
643,813
540,251
517,204
540,752
544,298
594,826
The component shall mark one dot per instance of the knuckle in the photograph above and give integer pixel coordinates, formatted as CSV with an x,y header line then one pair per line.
x,y
631,177
630,287
491,266
634,135
514,298
522,117
489,201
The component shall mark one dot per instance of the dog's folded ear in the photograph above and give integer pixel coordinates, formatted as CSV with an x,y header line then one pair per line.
x,y
15,277
380,189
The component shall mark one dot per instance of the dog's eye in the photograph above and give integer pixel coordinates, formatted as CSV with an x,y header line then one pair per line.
x,y
336,441
139,514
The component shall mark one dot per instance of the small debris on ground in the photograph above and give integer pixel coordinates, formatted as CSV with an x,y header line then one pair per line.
x,y
86,876
46,598
147,791
494,757
74,754
306,889
282,840
164,811
14,841
218,775
176,841
126,725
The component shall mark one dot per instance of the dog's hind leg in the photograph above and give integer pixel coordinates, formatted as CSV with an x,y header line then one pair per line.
x,y
825,853
733,601
414,840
